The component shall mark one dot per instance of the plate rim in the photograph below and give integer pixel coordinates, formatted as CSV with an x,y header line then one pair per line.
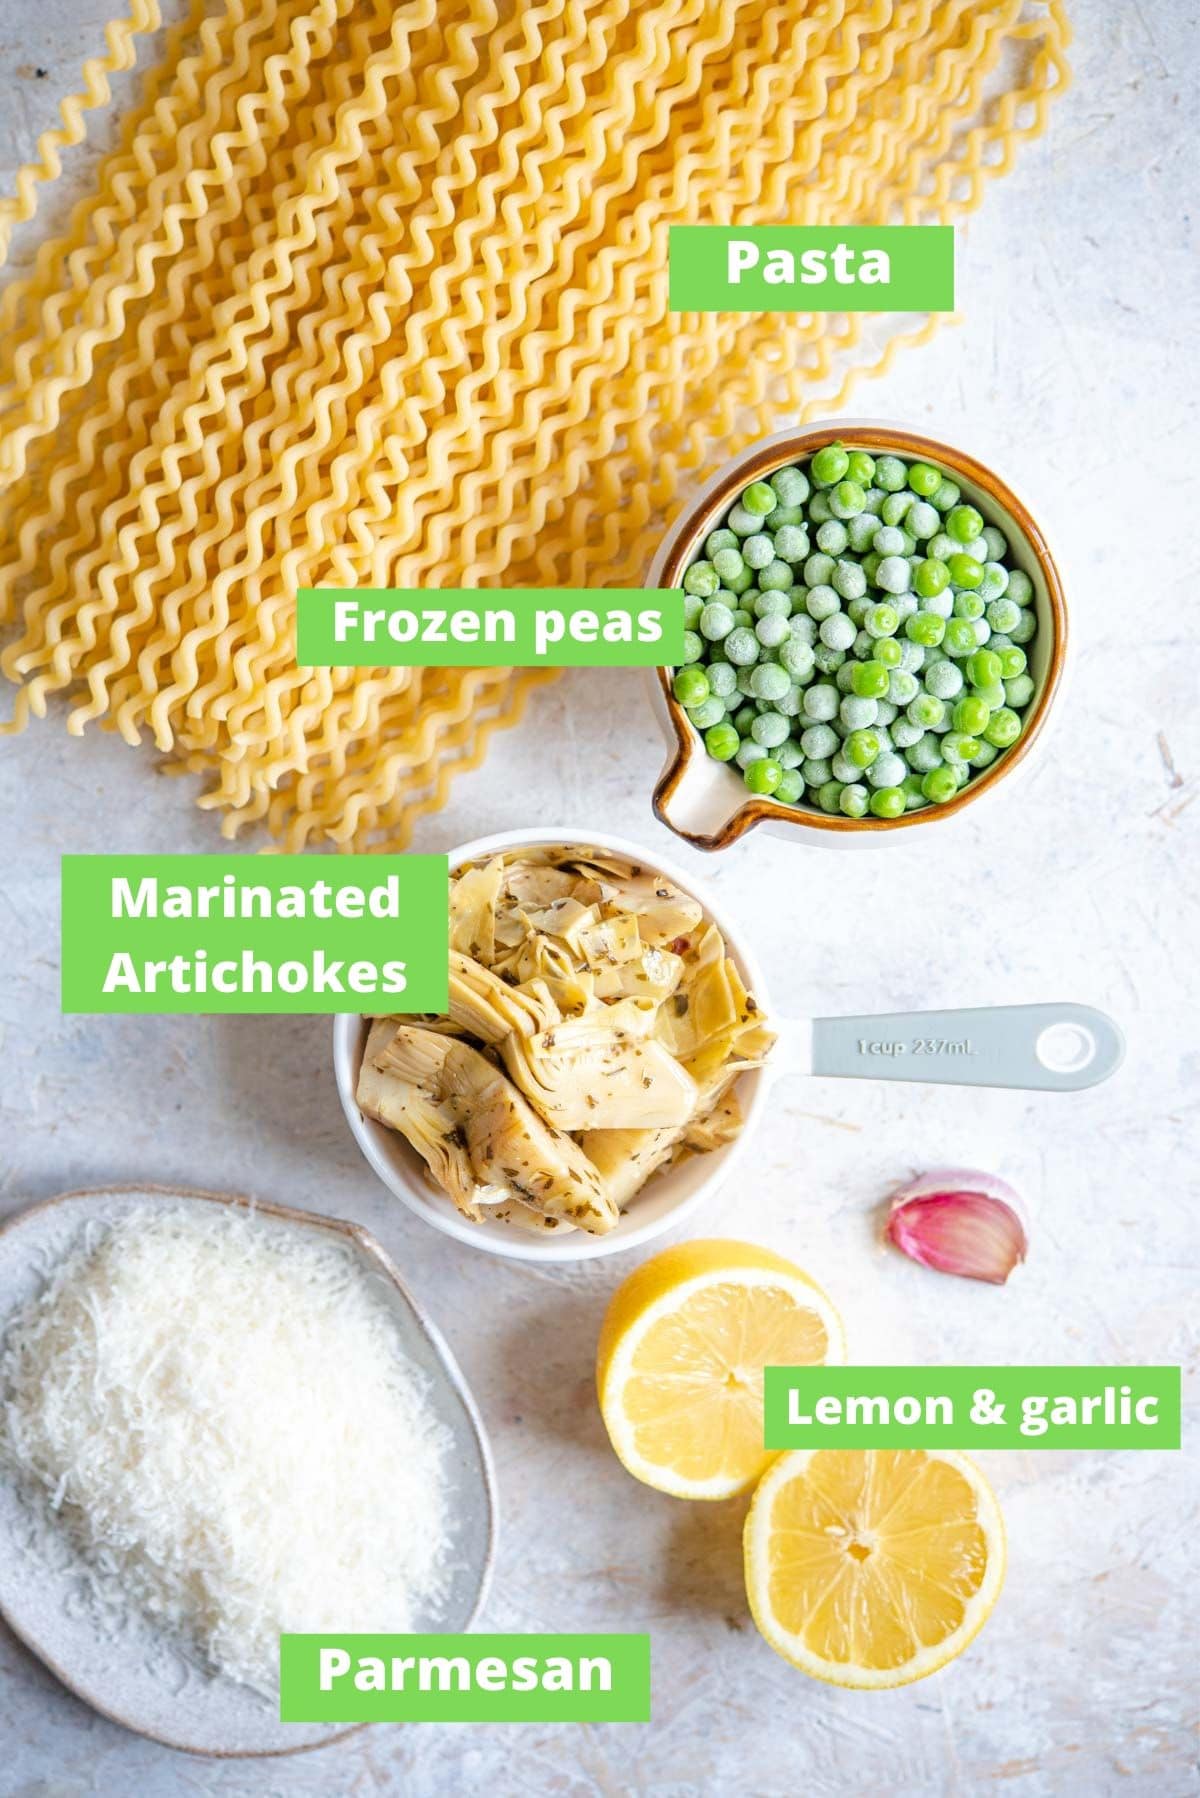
x,y
367,1243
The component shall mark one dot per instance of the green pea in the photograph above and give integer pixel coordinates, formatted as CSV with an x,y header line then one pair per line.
x,y
939,785
759,499
924,480
927,629
970,715
964,524
888,651
829,465
959,638
1002,728
763,776
983,668
690,686
722,741
829,795
846,500
888,802
862,747
931,577
965,571
791,786
870,680
882,620
693,646
947,495
1013,661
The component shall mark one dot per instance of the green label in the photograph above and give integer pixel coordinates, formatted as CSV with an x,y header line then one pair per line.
x,y
250,933
464,1679
811,268
971,1407
461,627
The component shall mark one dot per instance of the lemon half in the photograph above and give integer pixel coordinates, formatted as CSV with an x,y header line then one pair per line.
x,y
873,1567
679,1367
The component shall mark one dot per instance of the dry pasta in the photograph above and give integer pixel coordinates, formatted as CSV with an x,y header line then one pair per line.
x,y
376,293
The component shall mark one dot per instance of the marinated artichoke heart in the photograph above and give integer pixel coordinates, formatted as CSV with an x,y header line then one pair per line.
x,y
595,1032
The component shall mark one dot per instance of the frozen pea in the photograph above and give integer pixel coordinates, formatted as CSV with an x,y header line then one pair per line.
x,y
983,631
837,631
895,507
1019,690
843,768
891,474
940,604
776,575
816,770
758,550
749,751
722,679
709,712
946,495
702,580
819,742
743,618
789,754
821,703
894,574
912,657
905,733
857,609
843,680
872,501
774,603
693,647
863,645
968,605
992,695
770,729
976,548
1002,614
791,786
743,523
957,747
716,621
772,631
817,570
791,485
819,509
849,580
887,770
791,543
829,795
1020,587
906,604
847,499
860,532
994,582
854,799
995,542
822,603
745,678
984,756
804,628
717,540
692,608
791,702
786,515
729,563
944,679
885,711
828,660
941,547
901,686
1025,628
924,756
741,647
856,713
770,681
889,541
796,657
832,537
922,520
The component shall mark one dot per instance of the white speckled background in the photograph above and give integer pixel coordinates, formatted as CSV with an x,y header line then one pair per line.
x,y
1074,369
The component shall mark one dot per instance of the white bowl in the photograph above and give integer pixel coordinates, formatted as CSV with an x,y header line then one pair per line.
x,y
667,1200
704,801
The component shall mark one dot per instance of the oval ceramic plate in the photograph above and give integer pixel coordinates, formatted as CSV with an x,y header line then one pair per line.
x,y
137,1677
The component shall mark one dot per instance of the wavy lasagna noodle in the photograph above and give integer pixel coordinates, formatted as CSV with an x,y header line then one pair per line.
x,y
375,293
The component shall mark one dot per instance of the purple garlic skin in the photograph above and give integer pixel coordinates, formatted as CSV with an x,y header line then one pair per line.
x,y
960,1221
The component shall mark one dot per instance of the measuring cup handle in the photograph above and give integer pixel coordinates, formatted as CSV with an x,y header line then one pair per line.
x,y
1043,1048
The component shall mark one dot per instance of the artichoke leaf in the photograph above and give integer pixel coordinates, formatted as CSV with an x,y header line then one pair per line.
x,y
586,1075
508,1143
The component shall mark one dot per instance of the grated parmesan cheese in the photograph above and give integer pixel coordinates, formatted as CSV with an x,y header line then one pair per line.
x,y
216,1408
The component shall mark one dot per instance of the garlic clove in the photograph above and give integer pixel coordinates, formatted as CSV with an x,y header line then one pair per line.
x,y
960,1223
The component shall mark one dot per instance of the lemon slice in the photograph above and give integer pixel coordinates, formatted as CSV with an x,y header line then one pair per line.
x,y
873,1567
680,1361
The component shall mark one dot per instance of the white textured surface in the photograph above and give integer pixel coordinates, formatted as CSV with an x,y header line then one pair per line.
x,y
1072,371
